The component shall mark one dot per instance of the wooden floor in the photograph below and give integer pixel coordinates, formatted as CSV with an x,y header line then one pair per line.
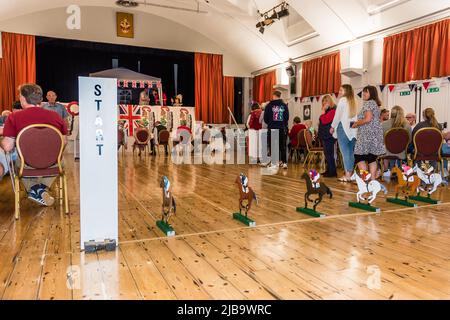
x,y
287,256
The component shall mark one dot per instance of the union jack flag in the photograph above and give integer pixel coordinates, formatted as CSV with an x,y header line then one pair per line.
x,y
130,114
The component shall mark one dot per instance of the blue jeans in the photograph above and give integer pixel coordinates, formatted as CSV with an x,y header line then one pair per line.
x,y
3,161
445,150
347,148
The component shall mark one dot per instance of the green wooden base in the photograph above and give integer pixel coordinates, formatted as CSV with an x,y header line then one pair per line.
x,y
166,228
401,202
425,199
364,206
311,212
245,220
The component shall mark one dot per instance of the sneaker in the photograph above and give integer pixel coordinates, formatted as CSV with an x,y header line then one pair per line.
x,y
387,173
33,196
48,199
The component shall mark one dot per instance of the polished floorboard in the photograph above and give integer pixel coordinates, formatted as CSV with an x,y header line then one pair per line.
x,y
402,253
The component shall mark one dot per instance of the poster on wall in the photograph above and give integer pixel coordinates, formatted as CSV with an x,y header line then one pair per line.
x,y
307,112
125,25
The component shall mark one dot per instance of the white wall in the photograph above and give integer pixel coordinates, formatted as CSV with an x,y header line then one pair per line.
x,y
99,24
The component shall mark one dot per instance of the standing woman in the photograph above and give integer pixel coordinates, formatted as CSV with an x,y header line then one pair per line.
x,y
341,130
325,120
370,143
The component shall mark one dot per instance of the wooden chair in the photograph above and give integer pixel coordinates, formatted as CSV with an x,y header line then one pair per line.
x,y
312,151
396,141
427,146
141,140
40,148
163,139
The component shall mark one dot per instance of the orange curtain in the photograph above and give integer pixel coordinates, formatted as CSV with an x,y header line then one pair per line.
x,y
263,86
228,96
208,88
417,54
17,66
321,75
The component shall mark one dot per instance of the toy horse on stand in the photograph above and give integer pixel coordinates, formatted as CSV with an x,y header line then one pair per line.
x,y
430,181
407,183
246,197
366,186
314,187
169,207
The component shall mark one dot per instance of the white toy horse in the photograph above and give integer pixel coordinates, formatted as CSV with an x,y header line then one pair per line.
x,y
367,186
430,179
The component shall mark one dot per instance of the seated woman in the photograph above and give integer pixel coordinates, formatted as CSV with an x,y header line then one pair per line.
x,y
429,121
296,128
397,120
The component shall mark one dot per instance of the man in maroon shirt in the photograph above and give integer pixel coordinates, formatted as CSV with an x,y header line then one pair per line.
x,y
32,113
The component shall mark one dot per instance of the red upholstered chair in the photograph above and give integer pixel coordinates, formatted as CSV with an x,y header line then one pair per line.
x,y
307,140
163,139
427,145
141,139
301,146
396,140
40,148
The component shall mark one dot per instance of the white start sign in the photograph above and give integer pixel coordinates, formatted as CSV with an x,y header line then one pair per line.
x,y
98,159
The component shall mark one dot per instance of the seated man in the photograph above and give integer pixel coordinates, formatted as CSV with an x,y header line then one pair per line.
x,y
32,113
57,107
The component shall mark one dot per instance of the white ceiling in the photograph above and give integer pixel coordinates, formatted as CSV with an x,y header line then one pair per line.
x,y
231,23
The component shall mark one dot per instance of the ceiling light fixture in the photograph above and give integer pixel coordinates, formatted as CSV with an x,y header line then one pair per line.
x,y
276,15
127,3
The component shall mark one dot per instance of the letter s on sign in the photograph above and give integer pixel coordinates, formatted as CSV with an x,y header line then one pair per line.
x,y
98,90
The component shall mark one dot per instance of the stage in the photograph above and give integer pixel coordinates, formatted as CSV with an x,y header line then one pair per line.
x,y
288,255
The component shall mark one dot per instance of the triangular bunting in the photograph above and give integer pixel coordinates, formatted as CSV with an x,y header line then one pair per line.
x,y
382,87
391,87
318,98
360,94
438,81
411,86
311,99
336,94
448,79
296,99
426,84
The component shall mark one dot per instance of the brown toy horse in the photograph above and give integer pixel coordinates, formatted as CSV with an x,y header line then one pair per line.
x,y
407,187
169,206
245,194
320,190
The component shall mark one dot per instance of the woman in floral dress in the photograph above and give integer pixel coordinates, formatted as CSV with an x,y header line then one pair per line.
x,y
370,143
